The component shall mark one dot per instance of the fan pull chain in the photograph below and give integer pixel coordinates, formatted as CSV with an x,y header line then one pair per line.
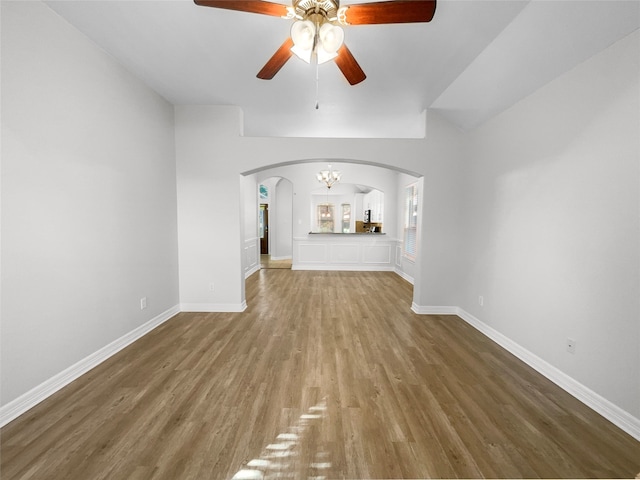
x,y
317,85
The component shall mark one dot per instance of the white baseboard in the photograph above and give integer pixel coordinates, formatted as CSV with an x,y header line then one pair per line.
x,y
403,275
286,257
604,407
214,307
433,310
251,271
30,399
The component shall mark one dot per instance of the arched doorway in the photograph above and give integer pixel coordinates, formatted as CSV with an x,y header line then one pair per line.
x,y
302,176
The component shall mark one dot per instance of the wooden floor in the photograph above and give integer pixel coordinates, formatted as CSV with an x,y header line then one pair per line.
x,y
326,374
267,262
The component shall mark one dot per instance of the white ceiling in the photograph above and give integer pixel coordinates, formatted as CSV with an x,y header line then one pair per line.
x,y
472,61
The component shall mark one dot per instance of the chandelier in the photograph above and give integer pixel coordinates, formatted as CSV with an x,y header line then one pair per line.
x,y
329,177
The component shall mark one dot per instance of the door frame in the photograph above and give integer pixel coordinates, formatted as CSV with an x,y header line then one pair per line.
x,y
264,237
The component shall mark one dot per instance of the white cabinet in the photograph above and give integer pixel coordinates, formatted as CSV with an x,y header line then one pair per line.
x,y
374,201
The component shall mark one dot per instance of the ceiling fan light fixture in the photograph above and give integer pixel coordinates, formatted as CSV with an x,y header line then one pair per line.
x,y
331,37
323,56
302,54
303,34
316,31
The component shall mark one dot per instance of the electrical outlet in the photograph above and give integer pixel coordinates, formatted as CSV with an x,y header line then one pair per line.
x,y
481,300
212,287
143,303
571,345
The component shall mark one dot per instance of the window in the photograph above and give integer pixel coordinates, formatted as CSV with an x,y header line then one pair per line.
x,y
410,221
325,218
261,220
346,218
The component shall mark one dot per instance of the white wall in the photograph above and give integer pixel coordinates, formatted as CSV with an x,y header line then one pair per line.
x,y
282,224
210,210
211,155
553,224
88,199
440,241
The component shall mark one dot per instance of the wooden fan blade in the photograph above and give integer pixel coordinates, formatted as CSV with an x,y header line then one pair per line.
x,y
277,61
401,11
349,66
251,6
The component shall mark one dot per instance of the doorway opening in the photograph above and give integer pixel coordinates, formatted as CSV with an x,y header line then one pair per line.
x,y
266,261
263,228
274,222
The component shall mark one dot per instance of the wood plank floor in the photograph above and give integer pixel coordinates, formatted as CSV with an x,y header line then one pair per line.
x,y
267,262
326,374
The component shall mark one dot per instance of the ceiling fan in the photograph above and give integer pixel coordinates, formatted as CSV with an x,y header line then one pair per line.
x,y
317,34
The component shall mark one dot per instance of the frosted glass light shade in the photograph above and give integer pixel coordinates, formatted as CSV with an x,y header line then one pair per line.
x,y
331,37
329,40
324,56
329,177
302,54
303,33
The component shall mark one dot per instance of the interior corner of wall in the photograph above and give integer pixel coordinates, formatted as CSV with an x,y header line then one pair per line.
x,y
423,121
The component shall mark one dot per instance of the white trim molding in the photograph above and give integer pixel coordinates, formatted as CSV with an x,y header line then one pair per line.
x,y
285,257
214,307
251,256
30,399
251,271
619,417
406,277
344,252
433,310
